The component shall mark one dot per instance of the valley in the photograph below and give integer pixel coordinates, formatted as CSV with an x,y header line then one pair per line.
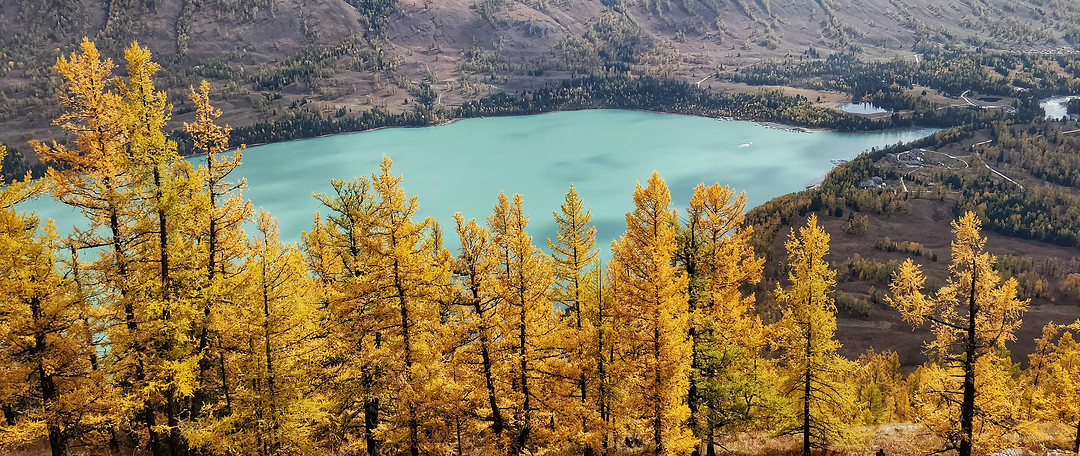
x,y
194,296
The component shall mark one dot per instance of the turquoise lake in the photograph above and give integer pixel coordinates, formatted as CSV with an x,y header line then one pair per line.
x,y
462,167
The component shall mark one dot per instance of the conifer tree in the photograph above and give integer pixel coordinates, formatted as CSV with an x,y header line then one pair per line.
x,y
166,272
523,280
219,212
573,254
98,176
271,336
338,254
1056,386
410,287
651,310
883,396
814,374
47,384
477,268
391,283
972,317
728,370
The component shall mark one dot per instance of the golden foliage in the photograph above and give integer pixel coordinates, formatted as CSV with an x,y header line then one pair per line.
x,y
822,403
966,393
651,313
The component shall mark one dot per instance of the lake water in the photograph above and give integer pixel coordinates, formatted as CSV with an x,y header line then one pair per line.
x,y
464,165
861,108
1057,108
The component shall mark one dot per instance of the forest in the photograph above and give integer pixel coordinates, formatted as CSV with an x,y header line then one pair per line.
x,y
168,329
951,70
618,91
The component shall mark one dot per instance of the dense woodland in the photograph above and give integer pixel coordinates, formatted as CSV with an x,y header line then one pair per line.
x,y
167,329
950,70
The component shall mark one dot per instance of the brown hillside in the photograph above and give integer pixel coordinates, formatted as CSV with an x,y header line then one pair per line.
x,y
469,48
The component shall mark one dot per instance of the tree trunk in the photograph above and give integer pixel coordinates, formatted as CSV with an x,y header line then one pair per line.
x,y
601,367
163,242
149,420
526,425
371,421
206,362
967,407
273,437
806,401
114,443
691,305
498,424
658,429
460,444
808,378
710,446
414,425
806,386
225,384
1076,442
176,442
47,384
582,384
9,415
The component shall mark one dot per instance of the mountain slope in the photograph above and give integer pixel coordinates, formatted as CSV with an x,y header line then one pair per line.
x,y
269,56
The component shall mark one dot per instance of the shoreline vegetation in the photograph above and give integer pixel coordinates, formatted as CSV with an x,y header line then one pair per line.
x,y
768,107
891,84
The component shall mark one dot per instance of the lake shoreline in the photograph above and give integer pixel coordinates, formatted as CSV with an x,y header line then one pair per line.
x,y
767,124
597,92
463,166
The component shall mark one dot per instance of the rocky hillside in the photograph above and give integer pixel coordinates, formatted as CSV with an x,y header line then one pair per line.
x,y
270,57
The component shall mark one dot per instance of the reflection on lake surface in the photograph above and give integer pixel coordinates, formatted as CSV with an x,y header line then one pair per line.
x,y
1057,108
464,165
863,107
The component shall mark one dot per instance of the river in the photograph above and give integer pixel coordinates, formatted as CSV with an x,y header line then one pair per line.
x,y
464,165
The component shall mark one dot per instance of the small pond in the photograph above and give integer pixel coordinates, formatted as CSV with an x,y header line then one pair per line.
x,y
861,107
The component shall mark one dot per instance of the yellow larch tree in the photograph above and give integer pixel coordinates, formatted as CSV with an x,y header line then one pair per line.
x,y
220,211
574,256
523,281
729,372
410,286
883,395
476,268
969,397
338,253
1040,363
96,175
125,176
48,363
814,375
386,283
270,334
598,311
650,309
1057,393
168,268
